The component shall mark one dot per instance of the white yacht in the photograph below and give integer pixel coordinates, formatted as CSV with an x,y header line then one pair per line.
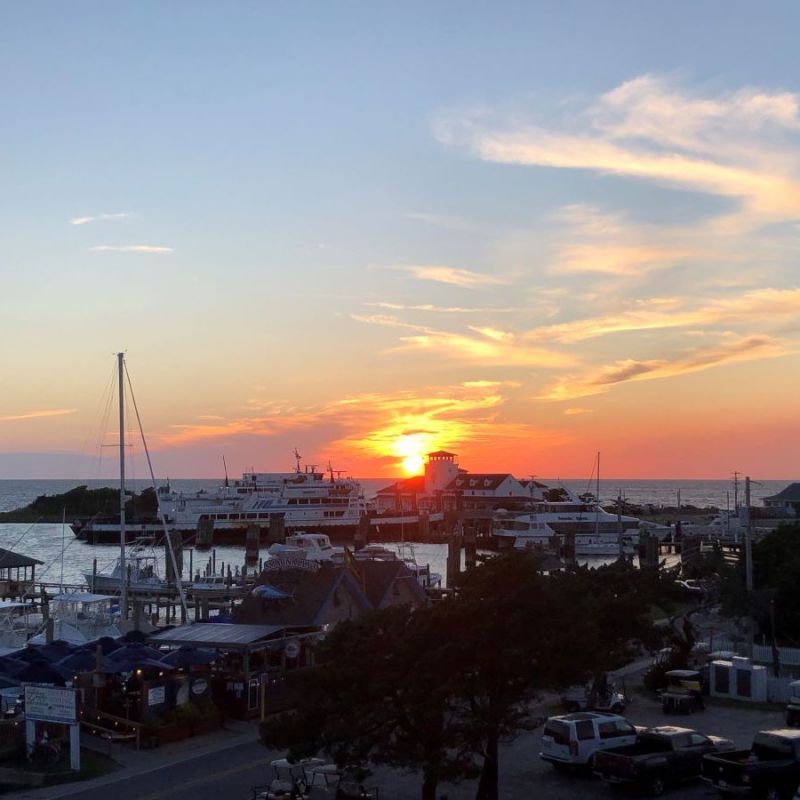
x,y
141,571
596,531
307,547
80,617
404,552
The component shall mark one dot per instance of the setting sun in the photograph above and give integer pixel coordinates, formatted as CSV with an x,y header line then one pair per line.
x,y
411,448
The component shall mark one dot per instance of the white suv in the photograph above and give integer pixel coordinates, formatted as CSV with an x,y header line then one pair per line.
x,y
572,739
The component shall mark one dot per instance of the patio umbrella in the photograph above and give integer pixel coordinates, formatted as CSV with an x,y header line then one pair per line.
x,y
125,664
56,650
136,650
186,656
81,661
41,672
12,666
136,637
107,645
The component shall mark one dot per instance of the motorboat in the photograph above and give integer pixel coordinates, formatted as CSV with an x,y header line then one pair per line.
x,y
140,575
404,552
306,547
80,617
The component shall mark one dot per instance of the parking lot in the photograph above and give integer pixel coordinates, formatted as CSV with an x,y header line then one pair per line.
x,y
523,775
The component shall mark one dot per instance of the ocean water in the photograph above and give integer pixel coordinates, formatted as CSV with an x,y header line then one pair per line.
x,y
67,560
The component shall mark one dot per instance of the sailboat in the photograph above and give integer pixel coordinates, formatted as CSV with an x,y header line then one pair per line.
x,y
135,572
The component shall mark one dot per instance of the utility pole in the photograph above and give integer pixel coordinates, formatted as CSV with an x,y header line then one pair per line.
x,y
748,562
736,491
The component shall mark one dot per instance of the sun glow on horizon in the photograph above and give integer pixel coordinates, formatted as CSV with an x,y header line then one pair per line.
x,y
411,448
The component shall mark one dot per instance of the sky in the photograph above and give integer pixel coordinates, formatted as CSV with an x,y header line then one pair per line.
x,y
523,232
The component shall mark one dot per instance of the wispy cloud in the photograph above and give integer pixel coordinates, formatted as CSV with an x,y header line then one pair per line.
x,y
99,218
53,412
131,248
737,145
764,306
594,241
576,411
449,221
443,309
454,276
599,381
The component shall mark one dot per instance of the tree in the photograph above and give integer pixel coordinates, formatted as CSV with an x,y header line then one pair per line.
x,y
513,640
440,688
380,693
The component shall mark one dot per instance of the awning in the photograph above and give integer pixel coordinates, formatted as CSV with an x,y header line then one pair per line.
x,y
221,636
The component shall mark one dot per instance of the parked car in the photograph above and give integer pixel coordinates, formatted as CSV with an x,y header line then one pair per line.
x,y
769,770
571,740
661,756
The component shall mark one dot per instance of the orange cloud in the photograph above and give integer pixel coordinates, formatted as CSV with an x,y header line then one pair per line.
x,y
55,412
599,381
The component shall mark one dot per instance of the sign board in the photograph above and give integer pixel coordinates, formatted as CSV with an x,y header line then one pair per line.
x,y
156,696
200,686
290,562
51,704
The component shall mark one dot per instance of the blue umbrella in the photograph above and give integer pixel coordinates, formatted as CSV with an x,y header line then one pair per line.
x,y
186,656
136,650
56,650
115,665
12,666
107,645
82,661
41,672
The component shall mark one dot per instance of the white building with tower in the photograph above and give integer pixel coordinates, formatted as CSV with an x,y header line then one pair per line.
x,y
445,486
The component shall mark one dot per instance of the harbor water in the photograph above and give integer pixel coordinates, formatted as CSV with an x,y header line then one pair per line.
x,y
65,559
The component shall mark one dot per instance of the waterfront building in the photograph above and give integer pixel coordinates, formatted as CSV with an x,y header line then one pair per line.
x,y
787,500
445,486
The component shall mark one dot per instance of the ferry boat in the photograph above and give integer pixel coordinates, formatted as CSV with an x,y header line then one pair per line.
x,y
305,499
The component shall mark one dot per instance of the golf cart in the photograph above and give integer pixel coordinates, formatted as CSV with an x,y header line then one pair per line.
x,y
328,781
291,779
607,698
684,692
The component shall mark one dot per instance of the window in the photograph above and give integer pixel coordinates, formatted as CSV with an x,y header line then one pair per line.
x,y
697,739
559,731
624,728
607,730
584,729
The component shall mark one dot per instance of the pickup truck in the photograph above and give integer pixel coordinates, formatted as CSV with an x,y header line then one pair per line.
x,y
660,756
769,770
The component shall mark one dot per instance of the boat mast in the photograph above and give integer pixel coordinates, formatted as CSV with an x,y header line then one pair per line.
x,y
597,499
123,570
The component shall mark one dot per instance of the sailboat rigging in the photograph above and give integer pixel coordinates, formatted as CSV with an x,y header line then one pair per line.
x,y
144,578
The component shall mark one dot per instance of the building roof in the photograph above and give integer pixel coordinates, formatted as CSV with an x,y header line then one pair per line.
x,y
415,485
306,597
380,577
8,558
223,636
791,494
477,481
441,453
